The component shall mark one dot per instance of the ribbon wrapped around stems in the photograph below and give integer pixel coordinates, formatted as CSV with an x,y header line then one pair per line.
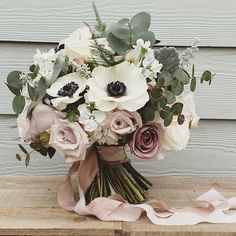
x,y
212,208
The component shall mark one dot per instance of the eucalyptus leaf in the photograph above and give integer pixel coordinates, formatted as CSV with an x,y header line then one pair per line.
x,y
165,110
18,104
35,72
22,149
177,87
140,22
176,108
18,157
206,75
168,119
13,89
56,71
121,29
170,96
117,44
30,109
13,79
160,82
193,84
167,77
32,92
162,100
149,113
182,75
27,160
181,119
41,88
146,36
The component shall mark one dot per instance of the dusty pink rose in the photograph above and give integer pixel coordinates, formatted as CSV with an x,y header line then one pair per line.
x,y
124,122
147,141
70,140
43,117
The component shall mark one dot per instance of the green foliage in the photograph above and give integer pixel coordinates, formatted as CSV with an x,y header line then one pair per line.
x,y
176,108
102,56
123,34
35,72
13,82
207,76
177,87
100,27
39,91
18,104
72,115
169,58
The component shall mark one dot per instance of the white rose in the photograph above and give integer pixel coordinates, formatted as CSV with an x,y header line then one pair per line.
x,y
189,110
79,43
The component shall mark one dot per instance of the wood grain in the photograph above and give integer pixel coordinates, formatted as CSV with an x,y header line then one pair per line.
x,y
28,207
210,152
215,102
174,22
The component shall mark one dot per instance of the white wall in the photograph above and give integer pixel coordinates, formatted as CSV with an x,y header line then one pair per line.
x,y
26,25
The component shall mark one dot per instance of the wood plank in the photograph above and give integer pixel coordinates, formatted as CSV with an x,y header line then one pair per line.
x,y
27,207
221,61
174,22
210,152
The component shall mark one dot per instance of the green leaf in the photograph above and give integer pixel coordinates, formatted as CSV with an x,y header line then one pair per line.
x,y
182,75
18,104
32,67
170,96
176,108
164,112
146,36
41,89
32,92
156,93
149,113
121,29
117,44
206,75
162,100
13,79
27,160
56,71
51,152
193,71
18,157
140,22
30,109
35,72
181,119
160,82
193,84
167,77
177,87
168,119
22,149
13,89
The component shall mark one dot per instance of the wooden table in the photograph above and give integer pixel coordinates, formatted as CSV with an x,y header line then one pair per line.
x,y
28,207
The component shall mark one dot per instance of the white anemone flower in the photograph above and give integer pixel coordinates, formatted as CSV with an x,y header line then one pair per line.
x,y
66,90
122,86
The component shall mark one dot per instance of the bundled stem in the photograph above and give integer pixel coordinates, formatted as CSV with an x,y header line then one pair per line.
x,y
122,178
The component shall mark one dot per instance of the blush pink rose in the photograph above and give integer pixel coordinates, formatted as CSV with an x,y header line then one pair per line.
x,y
124,122
147,141
43,117
70,140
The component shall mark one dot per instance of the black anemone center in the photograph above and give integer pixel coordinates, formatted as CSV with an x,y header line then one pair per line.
x,y
68,90
116,89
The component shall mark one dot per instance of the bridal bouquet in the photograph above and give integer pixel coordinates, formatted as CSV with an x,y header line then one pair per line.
x,y
100,94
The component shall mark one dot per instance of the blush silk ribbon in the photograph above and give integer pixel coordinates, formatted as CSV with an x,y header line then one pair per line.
x,y
213,207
